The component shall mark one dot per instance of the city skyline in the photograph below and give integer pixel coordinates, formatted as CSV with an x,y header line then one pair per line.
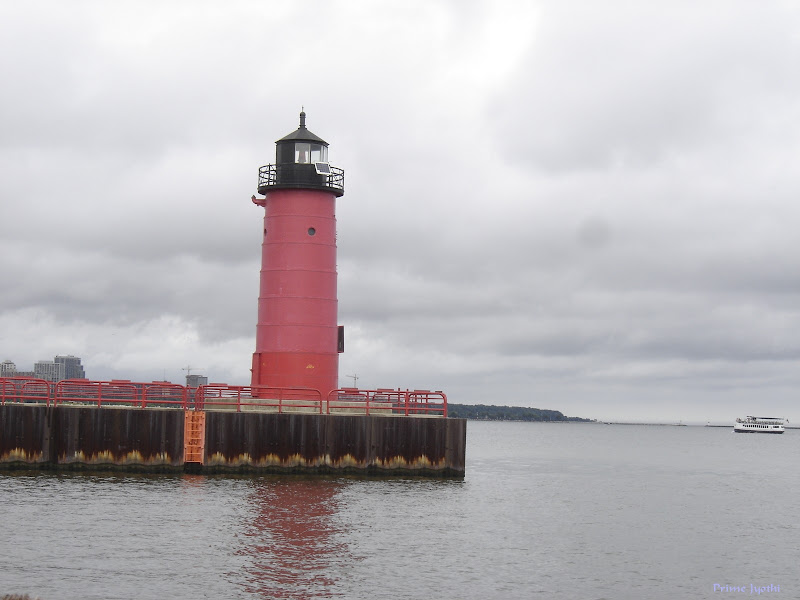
x,y
63,366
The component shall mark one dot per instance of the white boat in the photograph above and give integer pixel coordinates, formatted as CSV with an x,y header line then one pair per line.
x,y
760,425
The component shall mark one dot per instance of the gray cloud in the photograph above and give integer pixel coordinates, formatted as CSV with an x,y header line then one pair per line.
x,y
587,207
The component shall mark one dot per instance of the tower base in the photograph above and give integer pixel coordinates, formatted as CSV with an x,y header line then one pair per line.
x,y
303,370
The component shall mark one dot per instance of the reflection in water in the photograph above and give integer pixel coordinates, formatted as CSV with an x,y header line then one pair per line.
x,y
293,544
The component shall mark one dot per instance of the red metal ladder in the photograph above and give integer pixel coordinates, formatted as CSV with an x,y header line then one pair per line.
x,y
194,436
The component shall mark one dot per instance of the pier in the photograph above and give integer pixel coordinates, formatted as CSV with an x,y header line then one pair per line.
x,y
165,427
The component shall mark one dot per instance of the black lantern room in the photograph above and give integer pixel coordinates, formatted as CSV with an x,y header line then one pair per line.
x,y
301,162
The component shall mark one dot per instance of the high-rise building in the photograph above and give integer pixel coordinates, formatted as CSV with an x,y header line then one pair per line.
x,y
7,369
49,370
72,367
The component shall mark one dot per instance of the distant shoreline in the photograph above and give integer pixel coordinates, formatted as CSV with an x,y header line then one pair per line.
x,y
521,414
490,412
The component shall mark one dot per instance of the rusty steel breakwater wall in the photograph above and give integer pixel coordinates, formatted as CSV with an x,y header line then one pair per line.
x,y
76,438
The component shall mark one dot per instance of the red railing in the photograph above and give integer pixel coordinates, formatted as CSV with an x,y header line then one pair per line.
x,y
425,402
220,396
121,393
24,389
389,401
110,393
99,393
166,394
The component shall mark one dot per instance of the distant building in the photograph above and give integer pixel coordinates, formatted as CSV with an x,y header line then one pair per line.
x,y
49,370
8,369
72,367
194,381
62,367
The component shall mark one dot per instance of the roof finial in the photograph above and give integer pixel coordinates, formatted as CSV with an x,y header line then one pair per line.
x,y
302,117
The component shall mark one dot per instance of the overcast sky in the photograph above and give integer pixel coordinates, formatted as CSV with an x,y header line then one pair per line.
x,y
584,206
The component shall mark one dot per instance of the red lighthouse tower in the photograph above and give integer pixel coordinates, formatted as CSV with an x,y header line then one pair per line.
x,y
298,339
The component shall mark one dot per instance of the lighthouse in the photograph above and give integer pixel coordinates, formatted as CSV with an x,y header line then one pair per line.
x,y
298,339
293,417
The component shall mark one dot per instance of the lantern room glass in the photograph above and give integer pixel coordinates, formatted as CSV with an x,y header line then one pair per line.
x,y
305,153
319,153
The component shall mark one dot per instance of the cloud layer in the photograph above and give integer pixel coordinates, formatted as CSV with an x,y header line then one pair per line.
x,y
571,205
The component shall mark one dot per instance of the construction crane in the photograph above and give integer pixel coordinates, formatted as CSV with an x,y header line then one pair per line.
x,y
188,369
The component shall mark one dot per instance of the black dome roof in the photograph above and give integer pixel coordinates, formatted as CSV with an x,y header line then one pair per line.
x,y
302,134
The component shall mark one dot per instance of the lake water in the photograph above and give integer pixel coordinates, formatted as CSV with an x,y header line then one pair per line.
x,y
572,511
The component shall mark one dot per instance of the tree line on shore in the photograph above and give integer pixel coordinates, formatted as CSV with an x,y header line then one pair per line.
x,y
484,412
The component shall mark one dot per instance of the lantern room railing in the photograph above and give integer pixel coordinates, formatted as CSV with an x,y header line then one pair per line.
x,y
300,176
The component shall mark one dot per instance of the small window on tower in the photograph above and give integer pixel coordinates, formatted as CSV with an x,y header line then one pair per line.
x,y
311,231
301,153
